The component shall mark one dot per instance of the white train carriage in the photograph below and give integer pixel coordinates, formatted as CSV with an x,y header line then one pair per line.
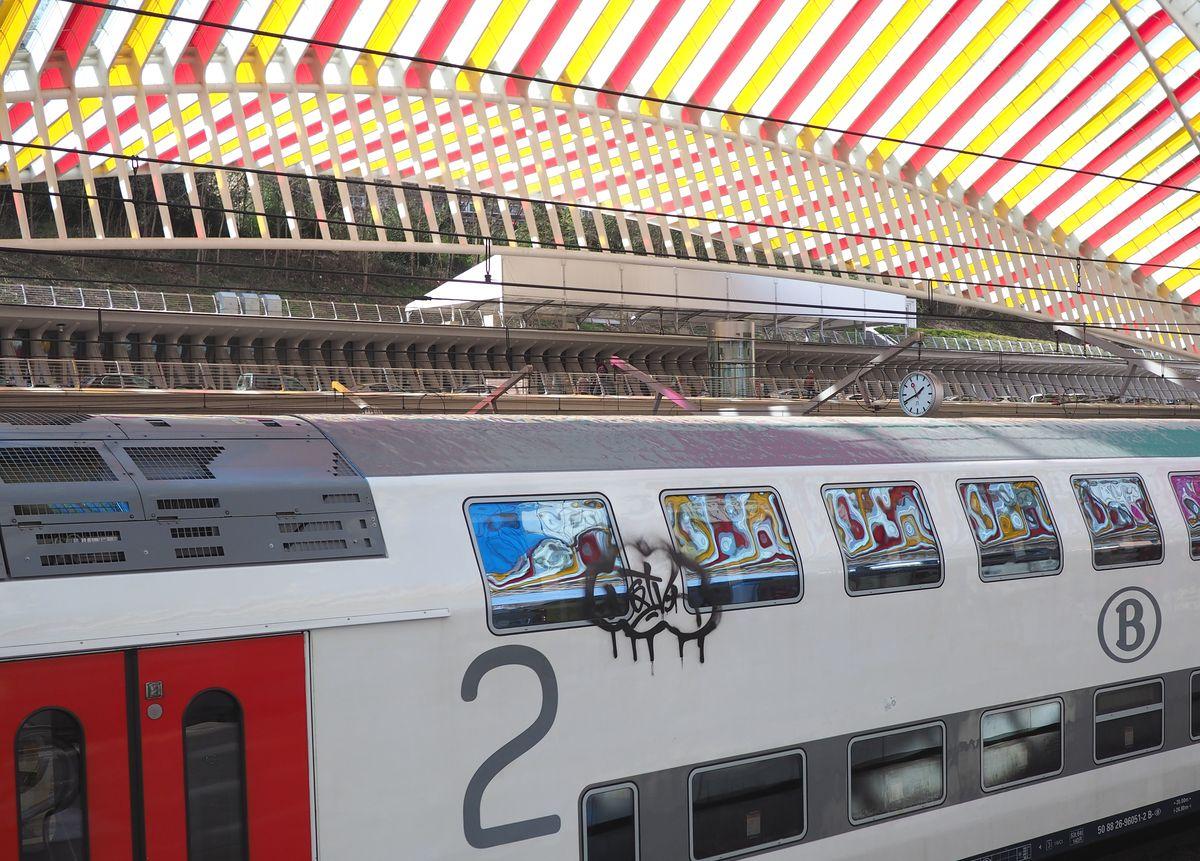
x,y
246,639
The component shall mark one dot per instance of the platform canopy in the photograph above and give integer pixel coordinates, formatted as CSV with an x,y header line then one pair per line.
x,y
1037,156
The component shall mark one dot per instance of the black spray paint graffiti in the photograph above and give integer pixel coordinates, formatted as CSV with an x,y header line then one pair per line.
x,y
648,605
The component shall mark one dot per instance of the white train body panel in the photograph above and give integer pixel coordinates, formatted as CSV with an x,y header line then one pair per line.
x,y
395,742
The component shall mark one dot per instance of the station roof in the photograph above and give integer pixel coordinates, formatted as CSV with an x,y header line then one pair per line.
x,y
915,88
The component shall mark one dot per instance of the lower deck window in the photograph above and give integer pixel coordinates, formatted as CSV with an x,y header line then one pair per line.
x,y
51,800
895,772
1129,720
610,824
1021,744
747,806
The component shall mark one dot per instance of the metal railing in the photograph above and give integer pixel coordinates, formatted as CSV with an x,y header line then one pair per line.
x,y
226,377
547,316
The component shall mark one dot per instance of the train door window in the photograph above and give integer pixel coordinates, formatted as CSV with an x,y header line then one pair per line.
x,y
886,536
897,772
1129,720
215,778
1120,519
1014,531
51,787
1195,706
1021,744
548,562
737,546
747,806
1187,494
610,824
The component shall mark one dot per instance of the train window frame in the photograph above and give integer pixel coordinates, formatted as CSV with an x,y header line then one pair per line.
x,y
1179,505
637,815
536,497
979,547
842,551
747,760
1192,711
1162,718
1062,743
765,488
1162,535
929,805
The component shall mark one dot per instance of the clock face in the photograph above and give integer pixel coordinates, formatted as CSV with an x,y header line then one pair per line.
x,y
919,394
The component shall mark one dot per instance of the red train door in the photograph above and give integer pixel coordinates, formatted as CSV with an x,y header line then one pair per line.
x,y
63,736
221,734
224,743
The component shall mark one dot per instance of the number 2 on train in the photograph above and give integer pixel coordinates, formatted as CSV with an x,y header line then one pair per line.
x,y
512,832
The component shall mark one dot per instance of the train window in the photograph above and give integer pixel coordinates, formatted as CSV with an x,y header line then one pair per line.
x,y
747,806
738,544
215,778
1187,494
538,556
1196,706
610,824
886,537
1021,744
51,787
1129,720
1014,531
896,772
1117,510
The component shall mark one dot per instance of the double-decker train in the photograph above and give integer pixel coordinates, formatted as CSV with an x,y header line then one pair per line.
x,y
611,639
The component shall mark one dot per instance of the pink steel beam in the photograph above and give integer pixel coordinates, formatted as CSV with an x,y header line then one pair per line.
x,y
619,364
498,392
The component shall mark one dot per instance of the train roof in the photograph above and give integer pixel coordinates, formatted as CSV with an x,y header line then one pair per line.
x,y
382,445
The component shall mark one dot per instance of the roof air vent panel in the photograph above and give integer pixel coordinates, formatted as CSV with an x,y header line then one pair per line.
x,y
40,464
174,463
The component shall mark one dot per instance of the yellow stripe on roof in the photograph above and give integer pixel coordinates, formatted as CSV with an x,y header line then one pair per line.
x,y
956,70
14,19
691,45
1105,118
383,38
595,40
870,60
1035,89
262,48
779,54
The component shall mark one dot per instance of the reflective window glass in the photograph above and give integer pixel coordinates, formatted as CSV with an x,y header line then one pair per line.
x,y
610,824
1021,744
740,540
1129,720
1196,705
215,778
1013,529
893,772
51,788
1121,520
886,537
747,806
535,556
1187,494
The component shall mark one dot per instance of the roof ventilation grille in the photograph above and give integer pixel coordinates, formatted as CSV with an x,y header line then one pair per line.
x,y
96,537
210,552
186,532
174,463
324,544
36,509
188,503
311,526
35,465
100,558
340,498
43,418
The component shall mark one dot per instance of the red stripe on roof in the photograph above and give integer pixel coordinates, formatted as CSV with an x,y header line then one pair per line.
x,y
823,59
1137,133
1060,113
438,38
72,41
641,46
746,35
205,40
543,40
1144,203
1158,261
908,70
331,28
1026,47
